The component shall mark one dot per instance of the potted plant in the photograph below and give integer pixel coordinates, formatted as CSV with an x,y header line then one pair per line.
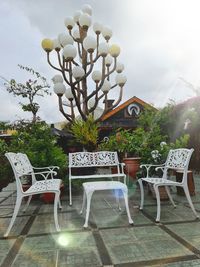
x,y
85,133
130,143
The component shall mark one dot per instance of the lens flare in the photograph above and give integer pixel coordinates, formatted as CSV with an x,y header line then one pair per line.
x,y
63,240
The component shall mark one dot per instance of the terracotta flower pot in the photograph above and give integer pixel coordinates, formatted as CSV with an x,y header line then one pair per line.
x,y
162,192
49,197
132,165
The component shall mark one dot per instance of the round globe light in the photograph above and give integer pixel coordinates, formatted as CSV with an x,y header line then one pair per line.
x,y
76,35
107,33
114,50
57,79
77,15
59,89
69,23
89,44
103,49
96,76
65,39
85,21
106,86
91,102
108,60
47,45
69,52
97,27
56,45
87,9
119,67
120,79
68,94
78,72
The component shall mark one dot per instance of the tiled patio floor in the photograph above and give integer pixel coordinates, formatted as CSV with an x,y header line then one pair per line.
x,y
109,240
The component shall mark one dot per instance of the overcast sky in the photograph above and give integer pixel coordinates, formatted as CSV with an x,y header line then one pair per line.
x,y
159,40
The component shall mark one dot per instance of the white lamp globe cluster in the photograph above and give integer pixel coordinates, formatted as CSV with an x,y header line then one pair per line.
x,y
81,47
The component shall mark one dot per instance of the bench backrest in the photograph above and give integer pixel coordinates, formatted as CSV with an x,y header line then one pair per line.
x,y
93,159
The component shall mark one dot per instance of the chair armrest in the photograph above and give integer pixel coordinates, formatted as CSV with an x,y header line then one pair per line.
x,y
159,168
152,165
46,174
122,164
50,168
148,166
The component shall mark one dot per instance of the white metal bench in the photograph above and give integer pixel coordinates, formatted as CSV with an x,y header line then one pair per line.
x,y
97,160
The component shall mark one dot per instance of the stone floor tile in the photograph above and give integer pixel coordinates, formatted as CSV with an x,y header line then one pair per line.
x,y
171,214
5,246
189,263
81,257
17,227
43,223
36,259
141,244
188,231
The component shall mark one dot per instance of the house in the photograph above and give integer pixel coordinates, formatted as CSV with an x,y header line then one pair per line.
x,y
124,116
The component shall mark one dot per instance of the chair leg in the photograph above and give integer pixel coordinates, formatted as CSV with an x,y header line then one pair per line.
x,y
158,202
16,210
84,200
125,193
141,194
70,192
89,196
59,204
116,192
187,193
27,203
170,196
56,200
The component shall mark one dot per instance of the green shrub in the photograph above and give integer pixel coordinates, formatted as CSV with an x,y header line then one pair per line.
x,y
85,133
37,141
5,169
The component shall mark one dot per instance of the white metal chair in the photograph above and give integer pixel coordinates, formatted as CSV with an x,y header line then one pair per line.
x,y
22,167
177,159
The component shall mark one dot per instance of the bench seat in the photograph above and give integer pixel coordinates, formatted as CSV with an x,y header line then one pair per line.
x,y
99,176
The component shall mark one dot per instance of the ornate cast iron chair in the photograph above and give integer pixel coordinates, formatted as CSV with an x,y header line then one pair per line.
x,y
22,167
177,159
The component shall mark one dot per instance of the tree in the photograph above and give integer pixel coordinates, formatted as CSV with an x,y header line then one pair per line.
x,y
29,90
76,66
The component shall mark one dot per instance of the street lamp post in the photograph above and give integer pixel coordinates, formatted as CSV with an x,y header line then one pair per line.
x,y
78,55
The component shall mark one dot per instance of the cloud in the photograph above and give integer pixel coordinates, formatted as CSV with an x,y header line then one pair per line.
x,y
159,41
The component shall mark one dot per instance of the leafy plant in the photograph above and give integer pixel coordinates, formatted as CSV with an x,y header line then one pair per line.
x,y
37,141
85,133
6,174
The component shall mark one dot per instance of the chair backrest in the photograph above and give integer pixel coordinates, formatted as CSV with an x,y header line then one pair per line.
x,y
178,159
18,168
27,165
93,159
25,162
